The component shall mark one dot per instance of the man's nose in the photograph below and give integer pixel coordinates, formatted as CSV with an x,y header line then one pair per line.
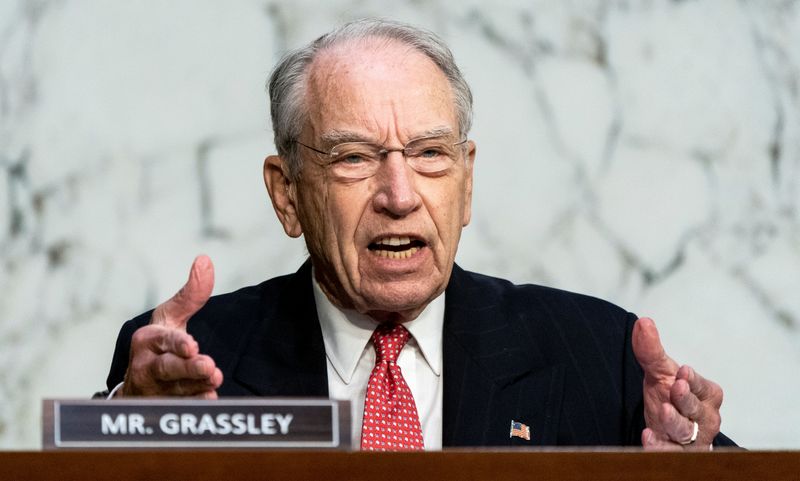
x,y
396,194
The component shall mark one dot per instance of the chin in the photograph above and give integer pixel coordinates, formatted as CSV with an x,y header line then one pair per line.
x,y
403,298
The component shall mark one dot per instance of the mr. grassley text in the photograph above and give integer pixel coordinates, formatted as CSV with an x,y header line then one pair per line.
x,y
237,424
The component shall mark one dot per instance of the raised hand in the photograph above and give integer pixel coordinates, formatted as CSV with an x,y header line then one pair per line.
x,y
165,360
675,397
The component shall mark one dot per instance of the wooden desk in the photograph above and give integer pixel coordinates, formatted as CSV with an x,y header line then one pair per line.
x,y
461,465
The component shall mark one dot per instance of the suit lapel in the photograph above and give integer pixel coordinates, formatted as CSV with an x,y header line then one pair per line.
x,y
493,371
285,355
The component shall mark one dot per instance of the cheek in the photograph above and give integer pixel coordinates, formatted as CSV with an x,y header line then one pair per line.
x,y
342,215
312,217
446,207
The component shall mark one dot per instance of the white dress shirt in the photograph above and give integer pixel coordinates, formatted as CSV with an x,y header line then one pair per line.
x,y
351,358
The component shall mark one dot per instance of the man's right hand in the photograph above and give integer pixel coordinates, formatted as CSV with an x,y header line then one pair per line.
x,y
165,360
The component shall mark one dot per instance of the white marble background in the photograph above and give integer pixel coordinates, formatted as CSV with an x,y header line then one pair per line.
x,y
647,152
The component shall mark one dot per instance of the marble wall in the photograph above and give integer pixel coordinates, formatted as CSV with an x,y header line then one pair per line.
x,y
643,151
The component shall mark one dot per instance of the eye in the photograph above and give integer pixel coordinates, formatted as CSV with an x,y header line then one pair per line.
x,y
431,149
430,153
352,159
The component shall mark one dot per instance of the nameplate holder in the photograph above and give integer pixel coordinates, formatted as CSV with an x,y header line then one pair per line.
x,y
230,423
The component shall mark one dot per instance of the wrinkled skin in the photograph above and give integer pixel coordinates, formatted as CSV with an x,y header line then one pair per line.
x,y
388,95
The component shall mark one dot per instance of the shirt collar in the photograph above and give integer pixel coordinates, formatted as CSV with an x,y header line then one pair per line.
x,y
347,332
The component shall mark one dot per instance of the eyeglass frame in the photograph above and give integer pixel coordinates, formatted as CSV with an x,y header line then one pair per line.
x,y
383,152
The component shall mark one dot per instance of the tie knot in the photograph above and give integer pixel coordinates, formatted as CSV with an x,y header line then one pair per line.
x,y
389,339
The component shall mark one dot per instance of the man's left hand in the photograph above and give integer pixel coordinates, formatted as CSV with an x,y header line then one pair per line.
x,y
675,397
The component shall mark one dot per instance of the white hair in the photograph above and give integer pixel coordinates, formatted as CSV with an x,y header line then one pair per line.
x,y
288,81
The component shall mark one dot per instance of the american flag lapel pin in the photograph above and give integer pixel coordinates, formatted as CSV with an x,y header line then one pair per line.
x,y
520,430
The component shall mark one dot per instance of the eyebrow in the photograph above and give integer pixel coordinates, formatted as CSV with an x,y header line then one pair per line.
x,y
335,137
341,136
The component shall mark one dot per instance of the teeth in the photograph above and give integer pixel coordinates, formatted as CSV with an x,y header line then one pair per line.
x,y
394,241
397,255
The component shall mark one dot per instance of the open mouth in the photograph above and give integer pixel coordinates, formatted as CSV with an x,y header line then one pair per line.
x,y
396,247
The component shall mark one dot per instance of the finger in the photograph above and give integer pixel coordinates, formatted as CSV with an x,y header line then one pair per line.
x,y
205,388
208,396
685,401
186,388
677,427
652,442
168,367
161,340
649,352
216,378
190,298
704,389
704,412
215,383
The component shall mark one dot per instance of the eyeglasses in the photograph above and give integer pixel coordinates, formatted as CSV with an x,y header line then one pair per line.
x,y
360,160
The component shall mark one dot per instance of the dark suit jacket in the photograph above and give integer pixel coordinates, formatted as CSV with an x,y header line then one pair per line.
x,y
562,363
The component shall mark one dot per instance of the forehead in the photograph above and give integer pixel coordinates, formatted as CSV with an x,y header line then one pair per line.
x,y
377,85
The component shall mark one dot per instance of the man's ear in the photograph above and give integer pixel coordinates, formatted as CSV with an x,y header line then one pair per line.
x,y
283,193
470,162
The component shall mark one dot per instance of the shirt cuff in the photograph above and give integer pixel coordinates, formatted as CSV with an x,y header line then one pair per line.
x,y
114,391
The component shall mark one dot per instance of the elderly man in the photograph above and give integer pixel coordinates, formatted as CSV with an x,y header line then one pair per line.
x,y
374,169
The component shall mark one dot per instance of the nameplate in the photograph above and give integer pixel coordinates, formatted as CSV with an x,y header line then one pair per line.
x,y
178,423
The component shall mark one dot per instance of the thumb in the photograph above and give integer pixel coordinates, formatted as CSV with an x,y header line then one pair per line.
x,y
193,295
648,349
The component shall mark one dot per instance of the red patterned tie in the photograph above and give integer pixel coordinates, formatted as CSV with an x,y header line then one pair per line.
x,y
391,422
